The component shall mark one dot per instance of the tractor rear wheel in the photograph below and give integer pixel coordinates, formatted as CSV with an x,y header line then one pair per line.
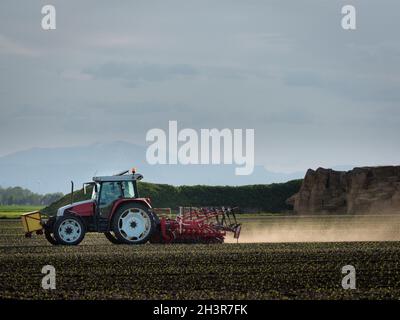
x,y
133,223
69,230
112,238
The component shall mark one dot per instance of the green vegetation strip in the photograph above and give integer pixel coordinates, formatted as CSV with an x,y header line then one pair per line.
x,y
13,212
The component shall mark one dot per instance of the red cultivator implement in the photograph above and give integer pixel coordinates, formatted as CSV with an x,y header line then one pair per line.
x,y
197,225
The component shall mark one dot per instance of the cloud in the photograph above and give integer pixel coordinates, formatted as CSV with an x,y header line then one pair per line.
x,y
345,84
303,79
139,108
8,46
273,42
75,75
136,73
119,41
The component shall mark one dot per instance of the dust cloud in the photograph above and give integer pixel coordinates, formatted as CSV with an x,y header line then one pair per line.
x,y
319,229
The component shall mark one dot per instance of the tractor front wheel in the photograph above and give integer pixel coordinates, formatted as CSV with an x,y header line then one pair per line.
x,y
133,223
69,230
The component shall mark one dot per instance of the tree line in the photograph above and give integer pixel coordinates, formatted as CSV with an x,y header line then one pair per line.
x,y
20,196
251,198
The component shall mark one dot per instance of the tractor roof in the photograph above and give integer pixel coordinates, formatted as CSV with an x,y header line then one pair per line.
x,y
125,177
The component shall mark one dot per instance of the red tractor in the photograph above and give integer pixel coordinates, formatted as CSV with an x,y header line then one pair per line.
x,y
116,210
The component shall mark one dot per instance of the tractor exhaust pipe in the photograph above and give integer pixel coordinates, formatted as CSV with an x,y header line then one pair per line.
x,y
72,192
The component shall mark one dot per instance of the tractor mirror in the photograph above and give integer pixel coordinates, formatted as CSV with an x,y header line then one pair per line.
x,y
88,184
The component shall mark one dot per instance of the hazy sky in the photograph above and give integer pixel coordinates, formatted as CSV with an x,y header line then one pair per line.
x,y
315,94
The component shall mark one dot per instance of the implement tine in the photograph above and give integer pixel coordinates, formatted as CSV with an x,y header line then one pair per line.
x,y
227,212
223,218
218,219
233,214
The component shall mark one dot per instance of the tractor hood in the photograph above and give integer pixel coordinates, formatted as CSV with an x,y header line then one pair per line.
x,y
82,208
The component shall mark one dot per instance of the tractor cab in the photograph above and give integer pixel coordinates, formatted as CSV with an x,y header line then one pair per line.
x,y
107,190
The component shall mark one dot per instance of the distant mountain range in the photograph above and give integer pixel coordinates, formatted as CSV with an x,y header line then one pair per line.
x,y
44,170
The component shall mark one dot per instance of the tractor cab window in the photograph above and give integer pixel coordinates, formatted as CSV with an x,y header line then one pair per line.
x,y
128,189
110,191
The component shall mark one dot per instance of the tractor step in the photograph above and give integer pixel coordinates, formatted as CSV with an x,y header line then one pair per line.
x,y
103,225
